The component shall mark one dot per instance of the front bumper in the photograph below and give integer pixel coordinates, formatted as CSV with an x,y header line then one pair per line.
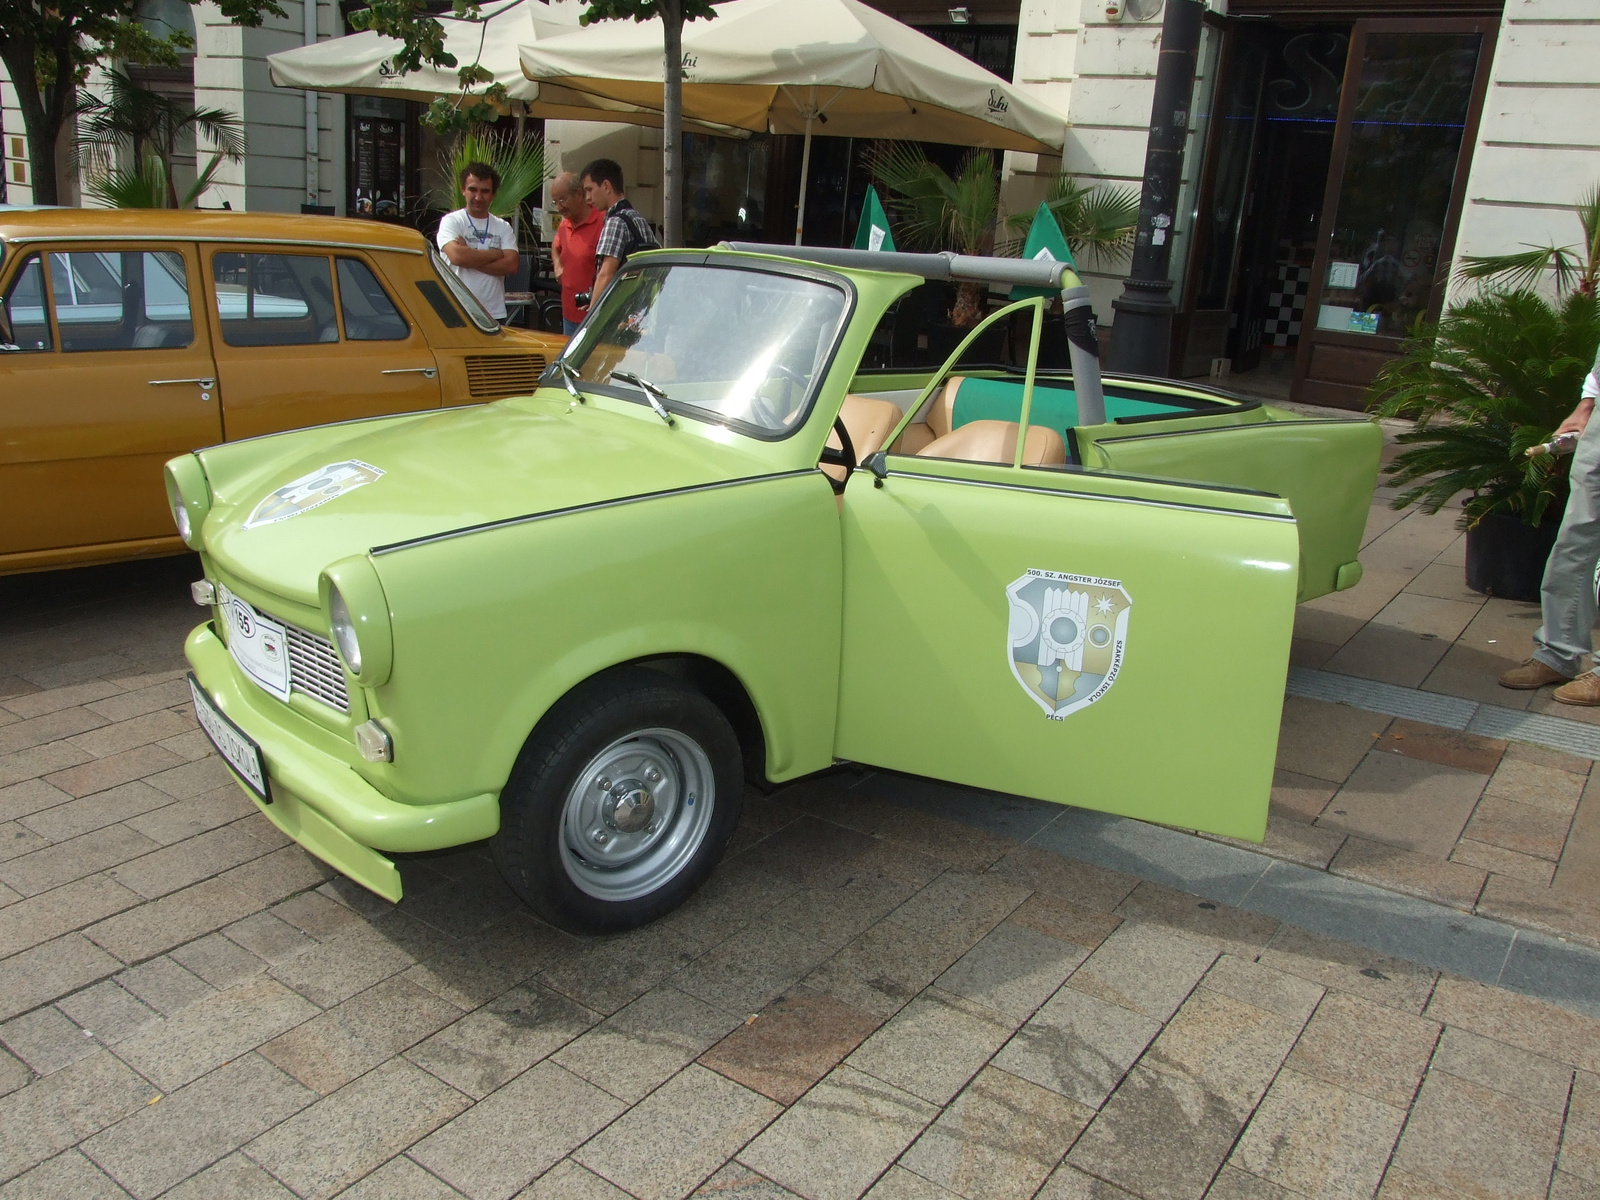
x,y
318,800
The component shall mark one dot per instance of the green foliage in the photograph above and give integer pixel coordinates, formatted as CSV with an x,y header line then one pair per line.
x,y
421,38
146,184
1573,267
1101,220
645,10
522,165
939,212
1494,377
148,122
934,211
48,47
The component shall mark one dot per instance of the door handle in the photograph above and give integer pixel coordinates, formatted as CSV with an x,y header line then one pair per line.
x,y
425,372
206,383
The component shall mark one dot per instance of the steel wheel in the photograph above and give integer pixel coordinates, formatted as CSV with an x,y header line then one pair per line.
x,y
621,802
637,814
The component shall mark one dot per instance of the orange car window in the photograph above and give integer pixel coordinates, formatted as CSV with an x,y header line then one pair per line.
x,y
121,299
26,327
274,299
369,314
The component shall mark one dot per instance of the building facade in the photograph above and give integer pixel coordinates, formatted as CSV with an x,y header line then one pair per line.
x,y
1343,154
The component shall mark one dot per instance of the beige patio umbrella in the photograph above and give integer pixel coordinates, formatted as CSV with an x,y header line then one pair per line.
x,y
361,64
835,67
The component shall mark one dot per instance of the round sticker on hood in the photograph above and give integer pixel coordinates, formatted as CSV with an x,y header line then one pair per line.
x,y
313,491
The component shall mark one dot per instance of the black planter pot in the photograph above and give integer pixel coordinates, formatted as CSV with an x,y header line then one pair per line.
x,y
1506,557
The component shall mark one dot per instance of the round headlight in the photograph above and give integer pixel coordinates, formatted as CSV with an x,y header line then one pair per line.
x,y
344,631
180,517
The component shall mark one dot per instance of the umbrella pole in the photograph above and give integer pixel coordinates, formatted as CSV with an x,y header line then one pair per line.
x,y
805,171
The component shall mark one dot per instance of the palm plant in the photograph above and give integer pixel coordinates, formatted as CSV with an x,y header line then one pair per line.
x,y
1573,267
1100,220
939,212
1496,375
522,165
146,184
936,211
146,122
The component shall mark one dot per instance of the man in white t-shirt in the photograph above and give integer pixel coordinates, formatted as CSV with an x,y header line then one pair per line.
x,y
479,245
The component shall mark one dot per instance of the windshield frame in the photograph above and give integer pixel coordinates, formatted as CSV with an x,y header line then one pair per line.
x,y
729,262
461,293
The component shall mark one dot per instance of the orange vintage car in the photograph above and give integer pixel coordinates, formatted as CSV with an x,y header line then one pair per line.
x,y
127,337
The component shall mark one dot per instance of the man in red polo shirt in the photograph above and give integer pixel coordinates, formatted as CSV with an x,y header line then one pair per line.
x,y
572,253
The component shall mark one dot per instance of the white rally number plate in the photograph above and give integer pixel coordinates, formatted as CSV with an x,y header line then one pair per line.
x,y
257,644
240,753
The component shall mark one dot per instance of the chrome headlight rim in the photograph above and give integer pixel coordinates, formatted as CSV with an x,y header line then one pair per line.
x,y
188,498
357,611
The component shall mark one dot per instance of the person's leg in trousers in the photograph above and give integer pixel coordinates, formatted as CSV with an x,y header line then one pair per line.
x,y
1567,597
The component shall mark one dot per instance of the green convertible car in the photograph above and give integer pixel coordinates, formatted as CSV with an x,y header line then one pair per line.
x,y
714,546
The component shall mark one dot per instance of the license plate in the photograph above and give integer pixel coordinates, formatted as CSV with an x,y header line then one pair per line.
x,y
237,750
257,642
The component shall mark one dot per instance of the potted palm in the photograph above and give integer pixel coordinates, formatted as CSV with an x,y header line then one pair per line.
x,y
1495,377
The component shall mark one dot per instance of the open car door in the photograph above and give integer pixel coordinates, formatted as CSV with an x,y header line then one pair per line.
x,y
1116,644
1112,642
1325,468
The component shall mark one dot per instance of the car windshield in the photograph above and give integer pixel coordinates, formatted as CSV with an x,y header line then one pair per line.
x,y
744,346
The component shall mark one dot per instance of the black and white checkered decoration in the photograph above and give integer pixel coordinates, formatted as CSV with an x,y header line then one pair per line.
x,y
1286,306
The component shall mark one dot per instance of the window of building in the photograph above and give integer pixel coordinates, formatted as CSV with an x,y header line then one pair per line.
x,y
369,314
274,299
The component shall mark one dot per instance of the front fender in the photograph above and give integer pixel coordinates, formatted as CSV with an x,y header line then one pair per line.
x,y
493,627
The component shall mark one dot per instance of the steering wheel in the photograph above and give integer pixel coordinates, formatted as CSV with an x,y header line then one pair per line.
x,y
765,411
845,456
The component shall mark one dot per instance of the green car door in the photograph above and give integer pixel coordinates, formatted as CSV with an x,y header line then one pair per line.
x,y
1115,644
1324,468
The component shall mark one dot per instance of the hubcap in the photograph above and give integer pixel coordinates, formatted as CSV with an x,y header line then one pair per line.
x,y
636,814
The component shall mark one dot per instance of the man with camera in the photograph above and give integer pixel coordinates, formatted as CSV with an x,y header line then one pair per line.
x,y
625,231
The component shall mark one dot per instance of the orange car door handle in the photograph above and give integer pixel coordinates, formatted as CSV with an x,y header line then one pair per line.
x,y
205,383
427,372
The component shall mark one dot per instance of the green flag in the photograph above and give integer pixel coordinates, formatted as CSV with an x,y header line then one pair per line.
x,y
873,232
1045,241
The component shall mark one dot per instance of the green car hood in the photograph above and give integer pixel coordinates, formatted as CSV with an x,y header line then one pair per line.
x,y
440,471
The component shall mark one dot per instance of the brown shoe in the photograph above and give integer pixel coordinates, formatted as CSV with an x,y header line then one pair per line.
x,y
1585,689
1534,674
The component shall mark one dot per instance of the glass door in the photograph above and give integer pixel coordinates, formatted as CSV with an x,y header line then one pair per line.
x,y
1412,95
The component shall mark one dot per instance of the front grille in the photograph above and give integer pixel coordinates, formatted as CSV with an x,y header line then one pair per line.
x,y
315,669
492,375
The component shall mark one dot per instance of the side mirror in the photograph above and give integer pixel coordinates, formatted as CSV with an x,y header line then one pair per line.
x,y
878,464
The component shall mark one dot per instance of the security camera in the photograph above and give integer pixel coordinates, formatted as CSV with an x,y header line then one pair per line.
x,y
1114,9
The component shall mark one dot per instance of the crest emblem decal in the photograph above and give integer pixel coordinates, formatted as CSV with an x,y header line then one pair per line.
x,y
313,491
1067,634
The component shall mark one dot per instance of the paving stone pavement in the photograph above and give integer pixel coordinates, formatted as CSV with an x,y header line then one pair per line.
x,y
866,998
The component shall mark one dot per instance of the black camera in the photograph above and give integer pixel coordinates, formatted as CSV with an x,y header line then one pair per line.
x,y
581,299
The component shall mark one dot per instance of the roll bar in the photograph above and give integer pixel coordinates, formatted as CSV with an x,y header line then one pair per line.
x,y
1083,343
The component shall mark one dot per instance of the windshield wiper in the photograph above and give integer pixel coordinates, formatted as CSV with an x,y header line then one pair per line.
x,y
569,378
651,392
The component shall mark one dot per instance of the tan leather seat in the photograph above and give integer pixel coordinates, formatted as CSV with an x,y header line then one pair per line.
x,y
996,442
868,422
935,423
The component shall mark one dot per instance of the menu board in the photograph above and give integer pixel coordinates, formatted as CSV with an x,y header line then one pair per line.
x,y
377,159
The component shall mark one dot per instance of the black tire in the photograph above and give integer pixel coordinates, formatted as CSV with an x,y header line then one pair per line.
x,y
556,821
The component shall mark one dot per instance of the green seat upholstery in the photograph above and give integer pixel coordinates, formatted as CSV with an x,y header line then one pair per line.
x,y
1053,407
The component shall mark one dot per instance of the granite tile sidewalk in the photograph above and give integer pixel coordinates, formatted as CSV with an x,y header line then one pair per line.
x,y
866,998
1507,830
